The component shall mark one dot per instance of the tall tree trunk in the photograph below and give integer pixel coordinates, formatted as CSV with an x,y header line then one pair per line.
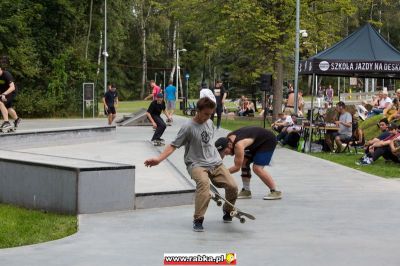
x,y
277,87
144,62
89,29
171,76
99,55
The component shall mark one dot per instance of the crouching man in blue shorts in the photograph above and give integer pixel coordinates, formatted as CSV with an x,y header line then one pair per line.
x,y
250,145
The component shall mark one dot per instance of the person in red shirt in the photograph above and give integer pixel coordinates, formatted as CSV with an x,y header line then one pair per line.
x,y
156,89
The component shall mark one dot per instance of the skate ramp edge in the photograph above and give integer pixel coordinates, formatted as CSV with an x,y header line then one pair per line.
x,y
55,136
138,118
65,185
164,199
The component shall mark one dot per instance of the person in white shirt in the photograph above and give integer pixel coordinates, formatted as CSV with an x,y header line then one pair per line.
x,y
206,92
283,121
384,103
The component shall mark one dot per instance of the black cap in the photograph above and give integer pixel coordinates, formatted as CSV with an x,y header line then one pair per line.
x,y
221,143
392,126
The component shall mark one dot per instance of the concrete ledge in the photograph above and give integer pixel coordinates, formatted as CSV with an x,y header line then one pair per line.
x,y
56,136
164,199
65,185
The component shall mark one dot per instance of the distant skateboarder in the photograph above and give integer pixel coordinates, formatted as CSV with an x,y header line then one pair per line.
x,y
110,101
8,93
203,161
251,145
154,115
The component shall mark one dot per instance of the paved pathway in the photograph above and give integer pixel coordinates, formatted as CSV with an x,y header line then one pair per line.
x,y
330,215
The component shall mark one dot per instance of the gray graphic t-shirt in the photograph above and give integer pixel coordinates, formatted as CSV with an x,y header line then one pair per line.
x,y
345,118
199,147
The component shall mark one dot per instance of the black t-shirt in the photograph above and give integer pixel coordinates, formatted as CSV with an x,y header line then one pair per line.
x,y
110,97
5,80
219,94
384,135
264,139
155,108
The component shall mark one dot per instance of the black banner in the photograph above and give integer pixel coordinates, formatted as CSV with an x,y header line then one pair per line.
x,y
350,68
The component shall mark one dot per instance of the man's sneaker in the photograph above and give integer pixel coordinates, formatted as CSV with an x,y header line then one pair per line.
x,y
244,194
16,122
365,161
227,217
273,195
6,125
198,225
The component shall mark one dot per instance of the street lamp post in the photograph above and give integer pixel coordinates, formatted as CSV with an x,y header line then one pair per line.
x,y
105,54
296,65
178,69
187,90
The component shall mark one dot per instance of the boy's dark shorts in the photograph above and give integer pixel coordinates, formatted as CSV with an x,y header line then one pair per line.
x,y
111,110
10,100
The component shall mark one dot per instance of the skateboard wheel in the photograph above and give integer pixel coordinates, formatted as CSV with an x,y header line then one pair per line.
x,y
242,220
233,213
219,203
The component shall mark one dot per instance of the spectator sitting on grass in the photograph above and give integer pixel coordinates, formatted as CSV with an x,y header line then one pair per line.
x,y
382,148
383,126
384,103
282,122
290,135
248,110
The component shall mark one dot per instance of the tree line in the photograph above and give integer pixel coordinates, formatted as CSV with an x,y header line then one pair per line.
x,y
52,47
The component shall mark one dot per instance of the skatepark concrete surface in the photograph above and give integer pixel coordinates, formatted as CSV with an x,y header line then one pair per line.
x,y
329,214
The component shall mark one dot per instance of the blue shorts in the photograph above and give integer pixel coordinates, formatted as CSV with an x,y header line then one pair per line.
x,y
170,105
263,158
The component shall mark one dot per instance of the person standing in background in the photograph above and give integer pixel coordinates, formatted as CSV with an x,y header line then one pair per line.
x,y
220,96
8,93
170,97
110,101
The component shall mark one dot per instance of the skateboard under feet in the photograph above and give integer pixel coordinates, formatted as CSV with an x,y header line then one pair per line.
x,y
158,142
236,212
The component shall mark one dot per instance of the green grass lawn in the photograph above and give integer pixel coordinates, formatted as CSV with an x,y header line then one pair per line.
x,y
20,226
379,168
133,106
236,124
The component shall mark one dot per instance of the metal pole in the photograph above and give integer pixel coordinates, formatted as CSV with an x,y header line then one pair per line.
x,y
83,101
311,113
177,73
187,92
296,65
265,106
164,80
105,46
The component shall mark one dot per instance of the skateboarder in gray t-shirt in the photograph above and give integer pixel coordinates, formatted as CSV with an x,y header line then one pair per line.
x,y
203,161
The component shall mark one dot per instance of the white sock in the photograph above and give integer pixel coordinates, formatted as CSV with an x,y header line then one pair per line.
x,y
246,185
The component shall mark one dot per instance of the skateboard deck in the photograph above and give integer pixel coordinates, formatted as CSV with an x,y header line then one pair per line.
x,y
236,212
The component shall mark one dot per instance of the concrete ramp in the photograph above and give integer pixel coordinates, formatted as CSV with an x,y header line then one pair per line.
x,y
55,136
138,118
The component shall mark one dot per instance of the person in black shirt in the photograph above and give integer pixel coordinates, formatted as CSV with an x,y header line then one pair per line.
x,y
251,145
110,101
154,115
8,93
220,96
